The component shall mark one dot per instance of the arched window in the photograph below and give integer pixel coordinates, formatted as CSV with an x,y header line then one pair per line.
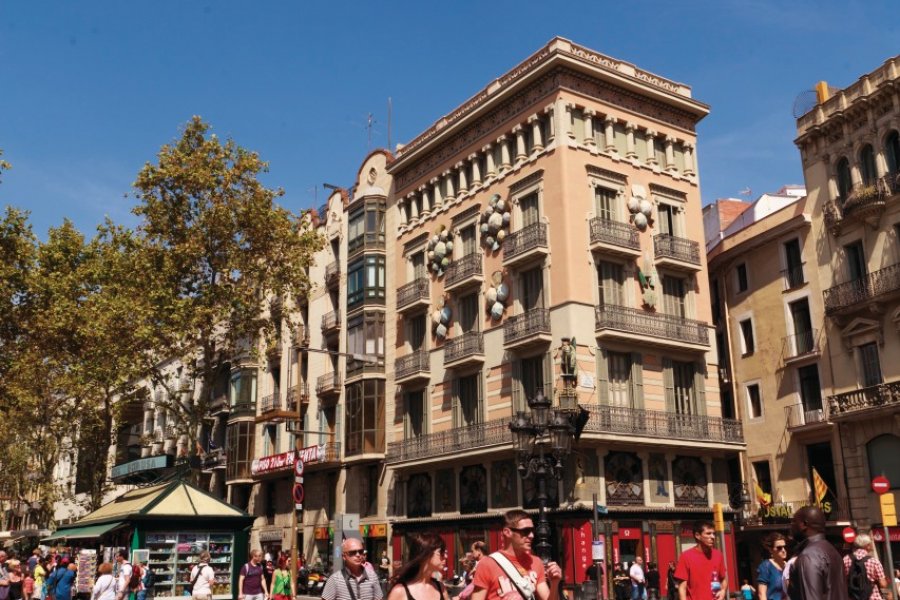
x,y
842,169
867,165
892,151
884,458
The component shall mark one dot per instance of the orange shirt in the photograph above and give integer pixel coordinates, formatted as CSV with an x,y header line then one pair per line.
x,y
490,576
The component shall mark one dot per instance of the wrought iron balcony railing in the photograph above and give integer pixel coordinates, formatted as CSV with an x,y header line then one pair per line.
x,y
608,231
415,362
876,396
683,249
333,273
471,343
641,322
329,383
869,287
793,276
331,320
480,435
300,338
528,238
414,291
298,394
271,402
527,325
243,408
800,344
798,415
463,269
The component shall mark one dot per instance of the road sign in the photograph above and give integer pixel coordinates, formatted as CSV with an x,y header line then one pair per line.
x,y
881,485
298,493
298,466
849,534
888,510
597,551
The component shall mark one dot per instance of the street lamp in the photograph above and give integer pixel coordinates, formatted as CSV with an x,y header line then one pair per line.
x,y
542,439
740,498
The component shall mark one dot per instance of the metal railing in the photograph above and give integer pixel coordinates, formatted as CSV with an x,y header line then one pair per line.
x,y
463,268
331,320
660,423
298,394
415,362
632,320
683,249
608,231
480,435
300,338
799,344
358,367
798,415
793,276
417,289
529,324
271,402
874,396
214,459
471,343
528,238
243,407
331,452
868,287
329,383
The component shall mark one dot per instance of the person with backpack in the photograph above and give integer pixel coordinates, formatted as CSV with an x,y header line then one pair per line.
x,y
202,578
865,575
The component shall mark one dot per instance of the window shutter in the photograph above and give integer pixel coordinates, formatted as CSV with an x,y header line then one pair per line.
x,y
479,412
603,376
700,388
338,424
454,403
669,384
516,386
548,375
637,379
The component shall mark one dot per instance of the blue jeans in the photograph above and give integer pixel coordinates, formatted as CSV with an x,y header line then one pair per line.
x,y
637,591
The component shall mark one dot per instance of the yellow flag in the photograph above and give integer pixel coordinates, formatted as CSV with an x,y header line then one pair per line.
x,y
762,497
819,486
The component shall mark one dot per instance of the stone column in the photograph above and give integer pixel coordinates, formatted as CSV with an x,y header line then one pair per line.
x,y
476,169
414,205
630,152
489,161
403,206
437,199
551,113
463,180
610,134
451,192
521,154
505,163
537,137
689,159
570,130
651,147
589,127
855,174
670,153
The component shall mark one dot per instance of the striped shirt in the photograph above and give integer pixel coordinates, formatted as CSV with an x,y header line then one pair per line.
x,y
365,587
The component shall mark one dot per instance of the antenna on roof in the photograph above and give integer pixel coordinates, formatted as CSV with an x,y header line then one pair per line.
x,y
805,102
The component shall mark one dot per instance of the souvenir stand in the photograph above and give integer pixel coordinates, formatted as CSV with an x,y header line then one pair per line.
x,y
172,523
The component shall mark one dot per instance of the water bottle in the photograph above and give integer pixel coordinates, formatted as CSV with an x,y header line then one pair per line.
x,y
715,584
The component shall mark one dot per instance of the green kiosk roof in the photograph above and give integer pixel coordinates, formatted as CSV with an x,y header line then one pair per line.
x,y
83,533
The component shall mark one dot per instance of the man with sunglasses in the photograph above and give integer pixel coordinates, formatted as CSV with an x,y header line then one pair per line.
x,y
513,573
354,581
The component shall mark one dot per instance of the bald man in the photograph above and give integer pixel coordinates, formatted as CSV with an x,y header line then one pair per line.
x,y
354,581
818,573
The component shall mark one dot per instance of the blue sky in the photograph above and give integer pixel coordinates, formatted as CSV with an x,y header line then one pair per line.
x,y
89,91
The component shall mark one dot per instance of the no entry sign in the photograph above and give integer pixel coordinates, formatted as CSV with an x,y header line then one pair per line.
x,y
849,534
881,485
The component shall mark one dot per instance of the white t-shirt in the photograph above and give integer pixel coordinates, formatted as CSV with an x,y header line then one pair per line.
x,y
636,573
124,578
203,585
104,588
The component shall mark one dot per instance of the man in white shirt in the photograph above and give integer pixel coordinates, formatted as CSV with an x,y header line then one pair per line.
x,y
125,570
636,572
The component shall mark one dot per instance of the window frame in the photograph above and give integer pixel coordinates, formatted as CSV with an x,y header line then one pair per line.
x,y
752,413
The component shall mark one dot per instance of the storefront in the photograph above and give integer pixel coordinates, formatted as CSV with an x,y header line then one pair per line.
x,y
894,533
167,526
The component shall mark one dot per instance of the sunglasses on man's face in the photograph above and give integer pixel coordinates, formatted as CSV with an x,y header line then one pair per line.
x,y
523,531
358,552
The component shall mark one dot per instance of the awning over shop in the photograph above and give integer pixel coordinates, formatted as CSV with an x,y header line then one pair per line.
x,y
83,533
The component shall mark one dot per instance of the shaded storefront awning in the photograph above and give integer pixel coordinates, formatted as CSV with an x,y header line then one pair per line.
x,y
85,532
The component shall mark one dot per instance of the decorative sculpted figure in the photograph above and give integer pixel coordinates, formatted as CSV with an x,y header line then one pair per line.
x,y
569,362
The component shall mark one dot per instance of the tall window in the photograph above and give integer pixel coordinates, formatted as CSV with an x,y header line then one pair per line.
x,y
468,313
870,365
365,281
747,336
365,417
844,183
754,401
810,390
666,219
415,424
239,448
531,374
469,241
605,199
612,282
793,264
365,335
856,260
243,388
270,439
418,265
802,321
623,383
530,211
467,401
892,152
532,283
741,275
763,479
365,227
681,387
867,165
417,328
674,294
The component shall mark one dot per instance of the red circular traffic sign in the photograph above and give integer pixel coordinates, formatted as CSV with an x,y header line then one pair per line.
x,y
849,534
881,485
298,493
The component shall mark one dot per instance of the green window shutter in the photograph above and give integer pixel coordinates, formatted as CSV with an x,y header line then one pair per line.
x,y
637,379
479,413
516,391
669,384
603,376
700,388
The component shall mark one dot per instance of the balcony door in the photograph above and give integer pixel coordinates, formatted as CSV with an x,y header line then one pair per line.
x,y
418,265
417,330
530,210
468,313
467,401
665,220
674,295
415,424
793,263
605,199
869,364
469,240
532,285
810,393
856,261
611,283
802,321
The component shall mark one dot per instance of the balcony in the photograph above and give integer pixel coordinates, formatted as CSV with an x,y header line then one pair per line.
x,y
300,339
463,350
415,366
676,253
880,286
331,323
800,346
524,245
243,408
328,385
356,367
414,295
276,409
793,277
622,323
297,395
214,460
527,329
451,441
865,401
798,417
661,424
864,204
463,272
614,237
333,275
328,454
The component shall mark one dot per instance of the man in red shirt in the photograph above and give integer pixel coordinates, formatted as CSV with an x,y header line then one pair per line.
x,y
514,573
701,570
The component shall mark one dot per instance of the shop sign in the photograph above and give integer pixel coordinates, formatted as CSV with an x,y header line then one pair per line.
x,y
322,533
285,460
878,534
142,464
784,511
270,535
379,530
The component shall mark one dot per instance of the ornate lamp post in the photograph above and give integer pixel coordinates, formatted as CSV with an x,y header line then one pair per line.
x,y
543,439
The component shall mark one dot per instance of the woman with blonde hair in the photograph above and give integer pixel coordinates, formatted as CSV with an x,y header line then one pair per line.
x,y
202,578
105,586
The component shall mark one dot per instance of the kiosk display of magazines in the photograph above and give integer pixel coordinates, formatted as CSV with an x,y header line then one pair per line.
x,y
166,526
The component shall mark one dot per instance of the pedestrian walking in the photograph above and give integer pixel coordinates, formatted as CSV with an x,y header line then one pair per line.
x,y
40,576
415,579
770,571
864,573
638,582
252,581
818,572
352,581
281,580
701,570
652,581
671,582
105,586
16,580
124,579
202,578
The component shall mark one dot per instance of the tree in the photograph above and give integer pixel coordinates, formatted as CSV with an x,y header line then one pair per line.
x,y
215,252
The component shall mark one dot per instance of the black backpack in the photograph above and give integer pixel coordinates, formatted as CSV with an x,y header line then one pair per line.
x,y
858,585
